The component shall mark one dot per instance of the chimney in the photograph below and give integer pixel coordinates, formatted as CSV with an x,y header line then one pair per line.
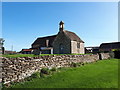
x,y
47,42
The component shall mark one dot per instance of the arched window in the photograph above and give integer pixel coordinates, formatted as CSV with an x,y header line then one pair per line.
x,y
61,48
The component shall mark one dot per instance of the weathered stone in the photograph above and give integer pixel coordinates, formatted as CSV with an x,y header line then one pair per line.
x,y
19,68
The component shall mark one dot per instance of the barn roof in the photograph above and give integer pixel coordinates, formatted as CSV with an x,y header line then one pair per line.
x,y
110,45
73,36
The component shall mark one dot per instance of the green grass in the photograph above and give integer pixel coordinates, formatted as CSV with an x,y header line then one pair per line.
x,y
101,74
31,55
18,55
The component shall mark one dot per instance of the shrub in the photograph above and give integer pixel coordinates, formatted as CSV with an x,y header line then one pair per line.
x,y
76,64
35,75
79,64
3,86
54,69
28,79
42,75
45,71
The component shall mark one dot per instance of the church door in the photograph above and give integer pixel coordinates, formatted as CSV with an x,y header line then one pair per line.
x,y
61,48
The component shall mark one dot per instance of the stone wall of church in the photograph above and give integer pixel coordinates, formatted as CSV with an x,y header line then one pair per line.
x,y
82,49
75,49
63,40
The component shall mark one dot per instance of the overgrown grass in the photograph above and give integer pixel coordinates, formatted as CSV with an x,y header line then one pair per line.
x,y
32,55
102,74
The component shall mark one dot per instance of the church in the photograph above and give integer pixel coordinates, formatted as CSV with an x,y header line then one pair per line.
x,y
64,42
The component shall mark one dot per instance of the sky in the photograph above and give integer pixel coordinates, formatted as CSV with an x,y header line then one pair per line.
x,y
24,22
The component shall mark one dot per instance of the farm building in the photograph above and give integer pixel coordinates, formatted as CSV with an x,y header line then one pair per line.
x,y
106,47
26,51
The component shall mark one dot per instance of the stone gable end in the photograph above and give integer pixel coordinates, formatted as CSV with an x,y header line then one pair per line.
x,y
63,40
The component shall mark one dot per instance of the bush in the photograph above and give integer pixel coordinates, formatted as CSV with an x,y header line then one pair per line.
x,y
45,71
42,75
75,64
54,69
28,79
35,75
82,63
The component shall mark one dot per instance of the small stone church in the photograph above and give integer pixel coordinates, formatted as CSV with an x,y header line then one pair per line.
x,y
65,42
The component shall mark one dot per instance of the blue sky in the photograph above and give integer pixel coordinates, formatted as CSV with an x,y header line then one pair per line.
x,y
24,22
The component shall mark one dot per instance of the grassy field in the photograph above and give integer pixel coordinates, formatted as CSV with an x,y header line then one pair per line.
x,y
101,74
32,55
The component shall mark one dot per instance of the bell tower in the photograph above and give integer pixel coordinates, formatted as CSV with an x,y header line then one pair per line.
x,y
61,26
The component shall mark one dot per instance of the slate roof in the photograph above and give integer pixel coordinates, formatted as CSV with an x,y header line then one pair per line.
x,y
73,36
110,45
41,41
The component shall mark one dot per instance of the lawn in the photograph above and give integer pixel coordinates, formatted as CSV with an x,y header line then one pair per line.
x,y
18,55
101,74
32,55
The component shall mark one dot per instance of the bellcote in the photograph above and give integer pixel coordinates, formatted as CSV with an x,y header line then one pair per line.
x,y
61,26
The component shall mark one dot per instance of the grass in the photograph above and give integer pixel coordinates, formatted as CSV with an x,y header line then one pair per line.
x,y
18,55
101,74
31,55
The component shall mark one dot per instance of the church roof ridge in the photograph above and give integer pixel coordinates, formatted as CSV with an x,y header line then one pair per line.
x,y
48,36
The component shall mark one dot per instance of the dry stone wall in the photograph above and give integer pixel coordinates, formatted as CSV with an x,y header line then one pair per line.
x,y
104,56
15,69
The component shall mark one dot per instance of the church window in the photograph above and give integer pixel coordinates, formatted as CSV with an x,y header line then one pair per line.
x,y
78,45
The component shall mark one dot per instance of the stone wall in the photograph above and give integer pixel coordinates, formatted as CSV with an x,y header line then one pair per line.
x,y
82,49
104,56
63,40
75,49
15,69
